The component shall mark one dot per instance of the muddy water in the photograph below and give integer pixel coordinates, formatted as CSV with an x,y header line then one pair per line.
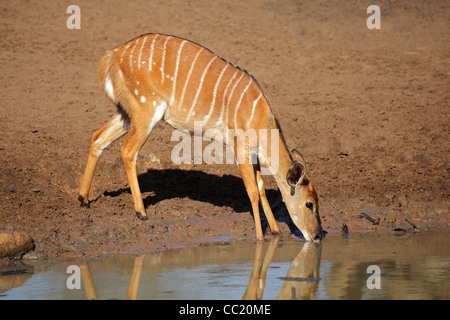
x,y
361,266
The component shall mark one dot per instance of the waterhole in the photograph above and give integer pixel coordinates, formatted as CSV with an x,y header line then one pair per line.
x,y
391,265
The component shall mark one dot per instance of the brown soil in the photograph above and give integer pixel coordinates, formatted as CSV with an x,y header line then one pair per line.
x,y
367,108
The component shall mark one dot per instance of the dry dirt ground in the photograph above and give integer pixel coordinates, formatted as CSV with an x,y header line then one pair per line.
x,y
369,109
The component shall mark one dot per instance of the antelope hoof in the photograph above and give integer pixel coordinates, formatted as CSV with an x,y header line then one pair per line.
x,y
83,203
141,216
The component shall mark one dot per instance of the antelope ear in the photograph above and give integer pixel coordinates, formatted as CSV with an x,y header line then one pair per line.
x,y
295,173
297,155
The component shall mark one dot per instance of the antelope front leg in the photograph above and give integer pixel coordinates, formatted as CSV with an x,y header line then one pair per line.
x,y
266,206
248,176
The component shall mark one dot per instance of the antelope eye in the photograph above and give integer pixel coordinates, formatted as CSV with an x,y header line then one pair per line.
x,y
309,205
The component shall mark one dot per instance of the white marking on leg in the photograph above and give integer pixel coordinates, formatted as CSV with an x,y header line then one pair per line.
x,y
199,89
176,72
102,148
213,102
187,78
260,185
159,114
140,53
109,88
164,59
239,102
219,121
247,124
117,124
150,59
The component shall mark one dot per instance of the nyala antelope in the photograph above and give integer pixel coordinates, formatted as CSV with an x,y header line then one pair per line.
x,y
158,76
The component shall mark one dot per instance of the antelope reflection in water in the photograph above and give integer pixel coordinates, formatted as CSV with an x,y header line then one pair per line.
x,y
133,286
301,281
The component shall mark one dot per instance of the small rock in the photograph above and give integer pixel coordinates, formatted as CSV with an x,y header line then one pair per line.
x,y
34,255
15,245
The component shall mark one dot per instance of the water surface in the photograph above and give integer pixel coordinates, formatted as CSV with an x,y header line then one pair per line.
x,y
407,266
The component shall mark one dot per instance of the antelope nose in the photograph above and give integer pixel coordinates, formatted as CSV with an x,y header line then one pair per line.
x,y
317,237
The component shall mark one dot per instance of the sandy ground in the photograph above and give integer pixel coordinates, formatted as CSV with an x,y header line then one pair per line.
x,y
367,108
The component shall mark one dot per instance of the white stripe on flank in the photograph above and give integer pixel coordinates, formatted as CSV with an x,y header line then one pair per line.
x,y
247,124
199,88
176,72
151,54
239,102
140,52
123,53
187,78
132,52
219,121
164,59
231,95
205,121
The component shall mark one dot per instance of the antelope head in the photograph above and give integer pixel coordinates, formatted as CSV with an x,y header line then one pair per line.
x,y
303,202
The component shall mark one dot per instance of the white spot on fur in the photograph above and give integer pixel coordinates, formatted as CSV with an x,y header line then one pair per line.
x,y
142,99
109,88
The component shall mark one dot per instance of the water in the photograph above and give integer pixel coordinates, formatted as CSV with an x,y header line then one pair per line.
x,y
407,266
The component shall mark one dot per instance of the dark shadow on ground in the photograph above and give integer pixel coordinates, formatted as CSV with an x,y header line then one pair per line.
x,y
226,190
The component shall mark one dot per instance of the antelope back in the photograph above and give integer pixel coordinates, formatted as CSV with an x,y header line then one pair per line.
x,y
196,84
